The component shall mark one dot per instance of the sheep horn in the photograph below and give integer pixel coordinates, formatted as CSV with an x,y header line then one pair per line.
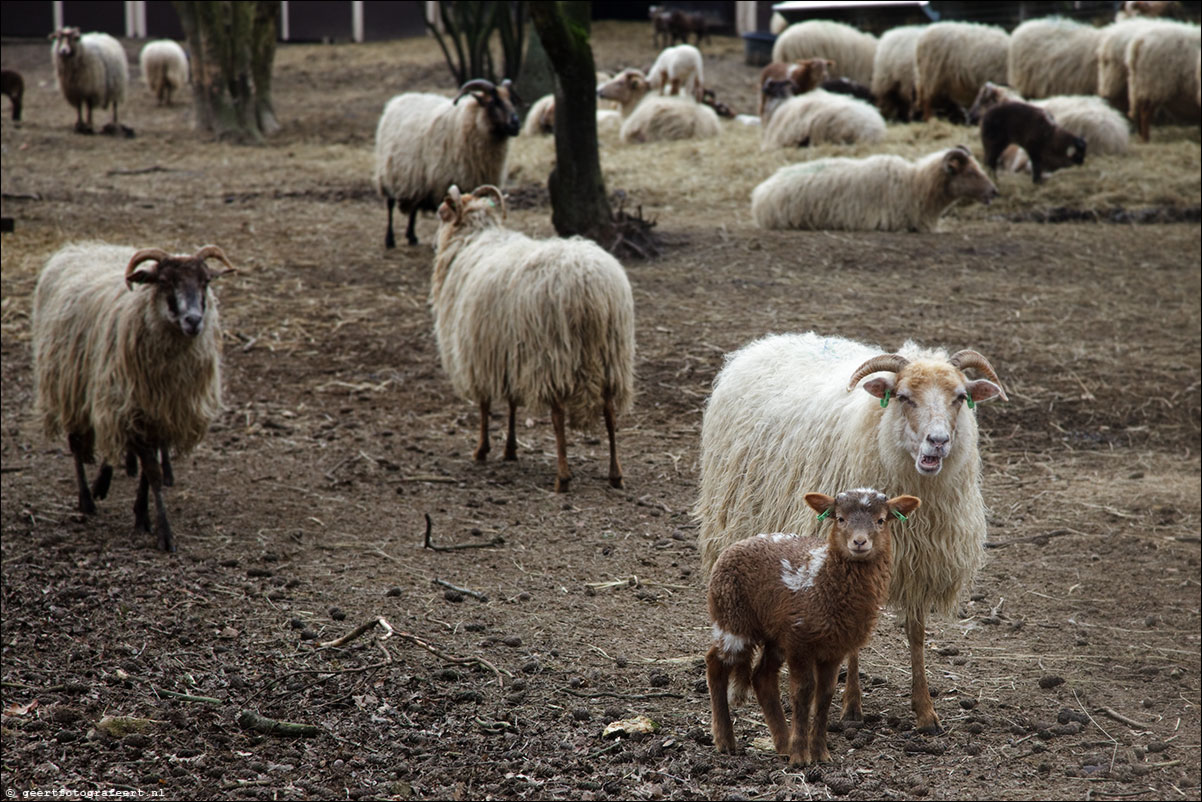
x,y
144,255
213,252
890,362
473,85
971,359
489,189
508,86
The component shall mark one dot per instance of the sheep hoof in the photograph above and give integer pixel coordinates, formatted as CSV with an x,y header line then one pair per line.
x,y
933,728
561,483
480,454
615,481
83,128
166,541
87,506
389,241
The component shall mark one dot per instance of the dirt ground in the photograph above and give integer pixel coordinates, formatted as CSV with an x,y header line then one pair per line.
x,y
302,514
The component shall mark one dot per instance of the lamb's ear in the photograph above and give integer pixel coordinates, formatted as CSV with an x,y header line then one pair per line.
x,y
819,502
904,504
879,386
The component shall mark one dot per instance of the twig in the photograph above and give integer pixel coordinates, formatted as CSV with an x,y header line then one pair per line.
x,y
184,697
425,477
357,631
465,591
250,720
142,171
1041,539
628,696
1119,717
453,659
496,541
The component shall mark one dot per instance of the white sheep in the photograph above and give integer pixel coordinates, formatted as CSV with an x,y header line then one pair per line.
x,y
652,118
1054,56
879,193
808,601
543,323
164,68
677,68
92,71
819,118
425,143
782,418
953,60
127,362
894,70
1162,73
1112,59
851,49
1103,128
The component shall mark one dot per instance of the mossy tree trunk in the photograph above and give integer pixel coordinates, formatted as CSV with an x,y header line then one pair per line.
x,y
232,48
578,201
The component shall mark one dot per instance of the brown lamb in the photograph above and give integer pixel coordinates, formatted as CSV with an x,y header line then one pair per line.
x,y
805,74
805,601
1049,146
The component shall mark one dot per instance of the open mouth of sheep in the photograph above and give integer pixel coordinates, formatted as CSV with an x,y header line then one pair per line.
x,y
930,463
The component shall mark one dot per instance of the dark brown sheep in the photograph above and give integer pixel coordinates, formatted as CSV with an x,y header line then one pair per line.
x,y
13,85
1049,146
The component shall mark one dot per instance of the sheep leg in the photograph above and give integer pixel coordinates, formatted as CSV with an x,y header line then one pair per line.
x,y
920,694
80,126
481,452
168,474
563,474
853,706
826,674
1036,169
766,682
511,439
131,463
410,233
717,674
615,469
152,479
390,238
100,488
80,449
1143,117
141,515
801,682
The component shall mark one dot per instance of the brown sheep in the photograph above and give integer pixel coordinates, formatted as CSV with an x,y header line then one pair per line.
x,y
1049,146
805,74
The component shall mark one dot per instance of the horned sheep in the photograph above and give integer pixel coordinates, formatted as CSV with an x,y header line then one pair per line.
x,y
820,117
164,68
953,60
1054,56
893,72
545,323
127,363
782,417
426,142
807,601
92,71
1162,73
879,193
851,49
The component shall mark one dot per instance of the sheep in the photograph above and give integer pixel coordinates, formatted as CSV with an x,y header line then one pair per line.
x,y
846,86
820,117
1054,56
953,59
676,68
1048,145
546,323
1162,73
655,118
1104,129
1146,9
425,143
851,49
13,85
804,74
1112,59
127,371
774,92
893,72
164,68
879,193
627,89
540,119
807,601
91,70
781,417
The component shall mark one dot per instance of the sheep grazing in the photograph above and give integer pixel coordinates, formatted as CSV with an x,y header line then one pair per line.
x,y
893,72
678,68
127,362
850,48
1162,73
92,71
1054,56
879,193
804,74
953,59
425,143
545,323
819,118
806,601
1048,145
782,417
13,85
164,68
1104,129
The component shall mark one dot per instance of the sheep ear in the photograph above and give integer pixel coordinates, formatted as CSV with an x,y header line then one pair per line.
x,y
954,161
144,274
450,208
819,502
983,390
904,504
879,386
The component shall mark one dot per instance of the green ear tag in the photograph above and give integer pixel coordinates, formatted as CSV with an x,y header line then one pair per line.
x,y
885,400
900,517
825,514
971,404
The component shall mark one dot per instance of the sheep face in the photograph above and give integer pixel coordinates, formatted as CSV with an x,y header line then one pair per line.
x,y
861,519
964,178
499,103
180,284
991,95
66,43
627,88
809,73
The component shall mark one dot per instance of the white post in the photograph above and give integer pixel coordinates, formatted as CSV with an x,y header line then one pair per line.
x,y
284,32
357,20
57,10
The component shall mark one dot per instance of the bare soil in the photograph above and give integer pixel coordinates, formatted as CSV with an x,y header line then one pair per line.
x,y
302,514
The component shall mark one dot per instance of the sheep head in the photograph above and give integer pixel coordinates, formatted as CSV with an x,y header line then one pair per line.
x,y
964,178
928,397
66,42
499,103
991,95
180,283
626,88
484,206
861,519
809,73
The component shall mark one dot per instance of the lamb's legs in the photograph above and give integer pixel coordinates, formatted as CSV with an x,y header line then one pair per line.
x,y
410,232
615,469
511,439
853,705
168,474
481,452
100,487
825,676
920,695
766,682
152,479
717,674
563,474
80,450
801,686
390,238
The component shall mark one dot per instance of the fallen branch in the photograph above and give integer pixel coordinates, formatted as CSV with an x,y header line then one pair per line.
x,y
357,631
250,720
142,171
475,594
429,544
424,477
1119,717
450,658
1040,539
184,697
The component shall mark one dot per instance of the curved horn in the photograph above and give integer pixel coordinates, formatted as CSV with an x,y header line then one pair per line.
x,y
890,362
971,359
144,255
473,85
213,252
489,189
508,86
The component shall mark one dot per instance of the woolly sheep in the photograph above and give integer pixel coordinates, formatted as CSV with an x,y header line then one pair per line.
x,y
659,119
678,68
820,117
782,417
13,85
627,89
879,193
1162,73
164,68
127,371
425,143
1054,56
851,49
1112,59
1090,117
92,71
545,323
804,74
1048,145
893,72
953,59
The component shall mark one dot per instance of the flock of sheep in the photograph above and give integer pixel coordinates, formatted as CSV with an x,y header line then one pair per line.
x,y
126,342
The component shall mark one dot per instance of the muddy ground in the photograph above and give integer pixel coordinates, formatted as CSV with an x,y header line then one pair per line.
x,y
302,514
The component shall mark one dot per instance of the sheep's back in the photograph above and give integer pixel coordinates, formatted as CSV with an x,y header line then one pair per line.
x,y
852,50
660,118
894,66
820,117
1104,129
1054,56
957,58
1162,67
873,194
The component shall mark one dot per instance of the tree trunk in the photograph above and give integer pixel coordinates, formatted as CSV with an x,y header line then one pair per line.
x,y
578,202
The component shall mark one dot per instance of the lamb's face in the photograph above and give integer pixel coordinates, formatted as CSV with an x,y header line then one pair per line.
x,y
861,519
